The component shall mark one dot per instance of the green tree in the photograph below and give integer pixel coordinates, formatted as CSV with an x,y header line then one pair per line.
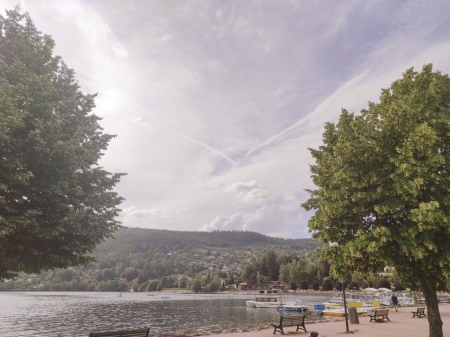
x,y
142,277
327,284
382,180
355,286
295,271
272,266
215,284
293,286
183,282
130,273
315,284
152,285
284,273
135,287
249,274
143,286
384,283
196,285
66,275
304,285
56,203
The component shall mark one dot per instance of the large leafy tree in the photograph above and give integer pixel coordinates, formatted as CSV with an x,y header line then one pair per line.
x,y
56,203
383,196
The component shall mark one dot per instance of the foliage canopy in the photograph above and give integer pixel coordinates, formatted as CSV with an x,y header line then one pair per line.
x,y
56,203
383,186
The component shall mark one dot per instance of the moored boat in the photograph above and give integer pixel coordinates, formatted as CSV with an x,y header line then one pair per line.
x,y
294,306
265,299
370,295
340,312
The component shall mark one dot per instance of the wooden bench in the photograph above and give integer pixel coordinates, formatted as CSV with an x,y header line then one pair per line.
x,y
122,333
379,313
292,320
419,313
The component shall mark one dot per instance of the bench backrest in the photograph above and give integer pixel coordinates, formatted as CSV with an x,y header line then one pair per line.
x,y
293,320
123,333
421,310
381,312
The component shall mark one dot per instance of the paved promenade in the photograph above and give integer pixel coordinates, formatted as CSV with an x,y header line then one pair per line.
x,y
401,325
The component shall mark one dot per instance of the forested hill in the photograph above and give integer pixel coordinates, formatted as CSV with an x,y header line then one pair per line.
x,y
135,240
139,258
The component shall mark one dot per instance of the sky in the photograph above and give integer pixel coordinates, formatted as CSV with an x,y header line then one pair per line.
x,y
215,103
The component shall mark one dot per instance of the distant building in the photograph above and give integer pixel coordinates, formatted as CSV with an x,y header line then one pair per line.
x,y
243,286
387,271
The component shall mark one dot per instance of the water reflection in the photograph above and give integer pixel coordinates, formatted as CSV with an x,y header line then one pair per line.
x,y
77,314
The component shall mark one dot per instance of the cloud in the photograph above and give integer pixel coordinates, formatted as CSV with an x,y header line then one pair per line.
x,y
132,212
235,103
151,218
242,187
96,31
219,14
140,121
256,195
224,222
248,192
289,196
317,115
269,220
167,37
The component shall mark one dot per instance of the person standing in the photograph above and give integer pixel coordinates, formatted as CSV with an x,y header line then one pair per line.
x,y
394,300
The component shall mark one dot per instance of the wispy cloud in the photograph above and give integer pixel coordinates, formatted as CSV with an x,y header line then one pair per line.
x,y
140,121
248,192
319,114
215,103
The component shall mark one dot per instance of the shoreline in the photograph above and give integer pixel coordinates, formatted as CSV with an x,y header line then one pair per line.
x,y
299,293
401,324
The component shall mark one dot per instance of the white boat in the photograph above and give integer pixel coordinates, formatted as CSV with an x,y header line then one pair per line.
x,y
265,299
340,312
338,298
369,295
403,300
294,306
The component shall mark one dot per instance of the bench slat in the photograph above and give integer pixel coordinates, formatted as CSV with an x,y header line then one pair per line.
x,y
419,313
382,313
285,321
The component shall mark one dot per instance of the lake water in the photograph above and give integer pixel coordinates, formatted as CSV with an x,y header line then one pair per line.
x,y
79,313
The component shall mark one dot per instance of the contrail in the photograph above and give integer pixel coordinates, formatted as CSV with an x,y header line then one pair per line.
x,y
271,139
223,155
23,5
347,85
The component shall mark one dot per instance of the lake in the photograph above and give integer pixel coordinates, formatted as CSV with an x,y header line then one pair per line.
x,y
79,313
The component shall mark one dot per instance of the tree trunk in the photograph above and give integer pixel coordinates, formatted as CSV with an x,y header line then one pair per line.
x,y
433,314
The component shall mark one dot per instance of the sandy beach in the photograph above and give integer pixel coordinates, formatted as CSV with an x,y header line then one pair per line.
x,y
401,324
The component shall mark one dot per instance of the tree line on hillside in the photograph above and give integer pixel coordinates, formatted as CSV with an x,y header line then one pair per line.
x,y
139,273
310,272
141,240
